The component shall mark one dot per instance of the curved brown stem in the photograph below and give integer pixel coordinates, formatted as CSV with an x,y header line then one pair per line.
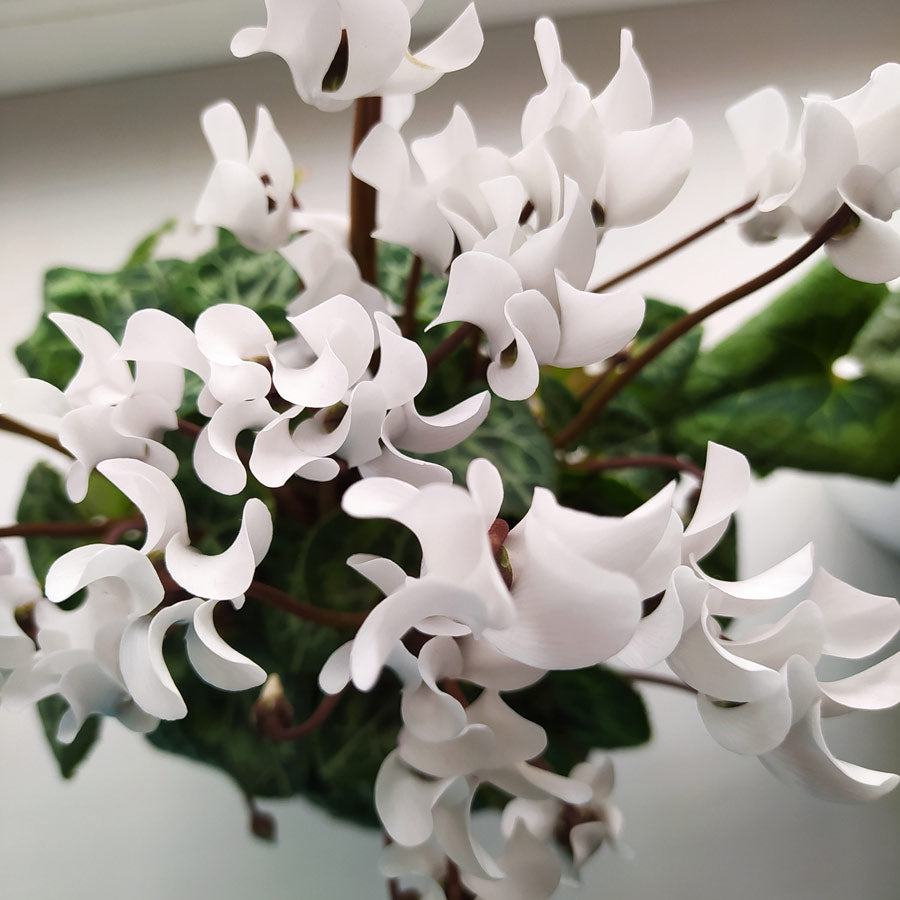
x,y
653,678
649,461
450,343
598,400
296,732
117,529
54,529
13,427
411,299
674,248
367,114
283,601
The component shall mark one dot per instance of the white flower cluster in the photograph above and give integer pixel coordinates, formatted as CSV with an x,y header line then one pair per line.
x,y
527,225
565,590
846,151
491,609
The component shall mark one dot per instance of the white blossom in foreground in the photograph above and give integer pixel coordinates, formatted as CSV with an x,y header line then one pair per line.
x,y
627,168
104,412
529,298
846,151
328,402
461,194
341,50
758,689
105,657
624,169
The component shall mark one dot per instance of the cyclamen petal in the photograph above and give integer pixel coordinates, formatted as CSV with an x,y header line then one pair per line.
x,y
101,377
456,48
532,870
89,690
154,336
594,326
405,801
86,565
804,758
725,484
143,667
754,727
154,494
276,456
228,574
643,171
215,661
216,459
877,687
402,610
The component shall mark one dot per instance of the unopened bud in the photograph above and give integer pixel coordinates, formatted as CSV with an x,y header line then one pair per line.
x,y
272,712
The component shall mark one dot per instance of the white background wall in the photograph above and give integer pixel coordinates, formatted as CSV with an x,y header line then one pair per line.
x,y
86,172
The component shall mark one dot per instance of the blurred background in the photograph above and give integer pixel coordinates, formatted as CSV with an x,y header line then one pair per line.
x,y
100,143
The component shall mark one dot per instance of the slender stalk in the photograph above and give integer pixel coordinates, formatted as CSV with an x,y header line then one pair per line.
x,y
8,425
674,248
189,428
118,528
453,886
307,726
55,529
362,196
449,344
281,600
411,299
653,678
832,226
650,461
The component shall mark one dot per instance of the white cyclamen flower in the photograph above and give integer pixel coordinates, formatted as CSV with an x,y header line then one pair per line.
x,y
628,168
846,153
530,301
105,412
758,690
251,189
341,50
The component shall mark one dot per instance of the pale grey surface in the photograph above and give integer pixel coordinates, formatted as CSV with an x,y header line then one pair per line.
x,y
86,172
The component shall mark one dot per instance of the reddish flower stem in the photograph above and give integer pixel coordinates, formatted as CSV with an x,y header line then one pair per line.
x,y
367,114
307,726
599,399
411,299
54,529
449,344
674,248
13,427
653,678
283,601
650,461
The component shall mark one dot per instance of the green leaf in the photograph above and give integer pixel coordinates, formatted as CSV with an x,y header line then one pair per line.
x,y
44,499
768,390
68,756
229,273
581,710
145,248
511,438
335,767
799,334
877,346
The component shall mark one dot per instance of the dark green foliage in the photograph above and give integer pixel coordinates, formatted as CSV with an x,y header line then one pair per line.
x,y
44,499
583,709
68,756
877,344
512,439
768,390
229,273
